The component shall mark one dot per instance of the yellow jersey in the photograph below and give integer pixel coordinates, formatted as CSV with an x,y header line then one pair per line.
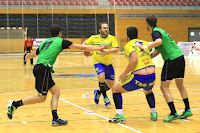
x,y
144,57
98,41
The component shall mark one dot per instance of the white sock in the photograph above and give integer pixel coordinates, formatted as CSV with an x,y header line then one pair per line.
x,y
119,111
153,110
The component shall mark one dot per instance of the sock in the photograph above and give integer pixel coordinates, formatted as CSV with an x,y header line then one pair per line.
x,y
117,97
102,89
187,105
151,100
54,114
172,108
18,103
106,87
119,111
153,110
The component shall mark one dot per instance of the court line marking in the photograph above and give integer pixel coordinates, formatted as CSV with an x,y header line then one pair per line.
x,y
99,115
85,96
24,122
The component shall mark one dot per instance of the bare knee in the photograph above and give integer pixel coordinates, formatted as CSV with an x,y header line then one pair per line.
x,y
41,99
56,93
148,92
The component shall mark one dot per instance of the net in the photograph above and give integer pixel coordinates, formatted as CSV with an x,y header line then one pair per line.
x,y
12,39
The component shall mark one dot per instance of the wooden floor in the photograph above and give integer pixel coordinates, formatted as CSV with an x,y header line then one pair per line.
x,y
75,76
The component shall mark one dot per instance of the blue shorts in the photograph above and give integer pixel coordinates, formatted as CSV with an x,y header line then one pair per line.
x,y
108,70
134,82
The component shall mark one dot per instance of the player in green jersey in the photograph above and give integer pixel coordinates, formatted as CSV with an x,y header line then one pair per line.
x,y
47,54
174,66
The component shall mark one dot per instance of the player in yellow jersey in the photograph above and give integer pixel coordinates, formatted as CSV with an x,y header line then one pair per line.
x,y
103,61
142,75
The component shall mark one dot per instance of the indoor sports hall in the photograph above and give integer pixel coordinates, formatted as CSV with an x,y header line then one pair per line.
x,y
75,74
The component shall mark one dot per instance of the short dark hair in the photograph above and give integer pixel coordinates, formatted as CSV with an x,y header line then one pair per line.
x,y
132,32
54,30
29,37
100,24
152,20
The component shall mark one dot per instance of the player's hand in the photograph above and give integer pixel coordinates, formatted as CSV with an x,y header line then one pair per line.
x,y
139,45
25,52
102,54
104,47
87,53
193,45
122,77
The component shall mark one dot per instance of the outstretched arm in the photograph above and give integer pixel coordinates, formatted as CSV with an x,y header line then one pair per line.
x,y
87,47
156,43
112,50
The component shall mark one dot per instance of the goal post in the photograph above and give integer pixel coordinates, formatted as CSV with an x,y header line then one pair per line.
x,y
12,39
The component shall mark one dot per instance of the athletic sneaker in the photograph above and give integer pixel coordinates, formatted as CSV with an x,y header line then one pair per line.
x,y
59,122
118,119
107,101
171,118
186,114
96,96
154,116
11,109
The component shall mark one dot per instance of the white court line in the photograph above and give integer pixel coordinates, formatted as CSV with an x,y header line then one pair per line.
x,y
69,62
18,92
24,122
99,115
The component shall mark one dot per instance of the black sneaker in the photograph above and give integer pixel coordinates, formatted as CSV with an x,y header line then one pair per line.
x,y
59,122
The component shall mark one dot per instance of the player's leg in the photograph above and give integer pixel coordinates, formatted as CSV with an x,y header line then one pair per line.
x,y
122,87
55,91
99,68
31,60
184,95
169,100
168,73
13,105
151,102
109,78
117,97
41,74
24,58
179,76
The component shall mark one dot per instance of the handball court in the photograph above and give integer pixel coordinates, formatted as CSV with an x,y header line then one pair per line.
x,y
76,78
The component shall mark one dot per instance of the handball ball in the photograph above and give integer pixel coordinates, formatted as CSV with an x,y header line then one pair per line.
x,y
87,53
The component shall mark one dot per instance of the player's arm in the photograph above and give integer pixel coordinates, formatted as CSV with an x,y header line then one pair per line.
x,y
33,54
155,53
86,47
133,59
195,47
112,50
157,37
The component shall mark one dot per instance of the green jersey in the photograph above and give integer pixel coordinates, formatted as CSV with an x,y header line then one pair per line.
x,y
50,49
168,49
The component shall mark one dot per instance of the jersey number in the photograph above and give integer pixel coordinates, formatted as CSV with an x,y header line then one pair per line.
x,y
47,44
